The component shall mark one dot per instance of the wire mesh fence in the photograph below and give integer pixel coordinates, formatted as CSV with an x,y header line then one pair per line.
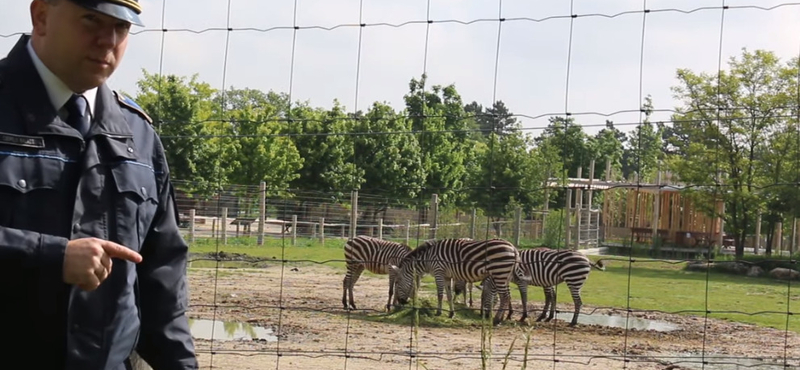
x,y
688,223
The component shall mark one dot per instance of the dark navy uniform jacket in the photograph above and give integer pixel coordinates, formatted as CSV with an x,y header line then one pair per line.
x,y
56,186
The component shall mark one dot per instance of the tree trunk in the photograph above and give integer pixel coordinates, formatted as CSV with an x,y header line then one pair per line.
x,y
739,240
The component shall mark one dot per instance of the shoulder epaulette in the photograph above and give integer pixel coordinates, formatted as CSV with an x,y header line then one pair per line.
x,y
128,102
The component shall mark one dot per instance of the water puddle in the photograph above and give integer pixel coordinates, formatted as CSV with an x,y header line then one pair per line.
x,y
229,330
620,322
694,361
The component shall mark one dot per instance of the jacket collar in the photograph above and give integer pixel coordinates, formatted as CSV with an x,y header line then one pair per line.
x,y
36,109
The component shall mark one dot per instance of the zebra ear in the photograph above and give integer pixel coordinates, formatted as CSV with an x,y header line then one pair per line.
x,y
393,268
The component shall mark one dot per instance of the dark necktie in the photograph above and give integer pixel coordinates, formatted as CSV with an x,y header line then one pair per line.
x,y
78,116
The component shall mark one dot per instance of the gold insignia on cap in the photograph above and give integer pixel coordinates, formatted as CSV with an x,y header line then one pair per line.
x,y
130,4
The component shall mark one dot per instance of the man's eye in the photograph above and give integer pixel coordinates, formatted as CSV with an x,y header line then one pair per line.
x,y
89,18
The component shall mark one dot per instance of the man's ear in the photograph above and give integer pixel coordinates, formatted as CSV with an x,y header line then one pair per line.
x,y
38,9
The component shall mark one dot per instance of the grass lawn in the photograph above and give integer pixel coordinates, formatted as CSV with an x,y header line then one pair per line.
x,y
643,284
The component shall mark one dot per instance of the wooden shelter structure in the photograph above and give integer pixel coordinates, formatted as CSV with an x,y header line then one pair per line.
x,y
660,213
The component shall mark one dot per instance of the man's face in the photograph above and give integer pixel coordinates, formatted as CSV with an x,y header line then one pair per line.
x,y
81,46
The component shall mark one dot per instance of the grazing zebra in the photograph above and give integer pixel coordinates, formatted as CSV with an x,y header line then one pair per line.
x,y
375,255
459,259
548,268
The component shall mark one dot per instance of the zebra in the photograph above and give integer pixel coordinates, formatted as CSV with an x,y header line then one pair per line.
x,y
461,260
374,255
547,268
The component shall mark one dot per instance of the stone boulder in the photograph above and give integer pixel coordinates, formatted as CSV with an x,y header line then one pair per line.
x,y
781,273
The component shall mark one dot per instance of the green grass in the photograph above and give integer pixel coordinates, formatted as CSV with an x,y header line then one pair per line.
x,y
663,286
654,285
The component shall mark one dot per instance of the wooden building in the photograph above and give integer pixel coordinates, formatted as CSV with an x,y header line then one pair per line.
x,y
647,213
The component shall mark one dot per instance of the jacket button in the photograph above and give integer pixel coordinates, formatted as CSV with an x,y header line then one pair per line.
x,y
130,150
22,183
144,191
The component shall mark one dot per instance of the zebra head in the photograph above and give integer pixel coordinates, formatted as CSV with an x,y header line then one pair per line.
x,y
404,285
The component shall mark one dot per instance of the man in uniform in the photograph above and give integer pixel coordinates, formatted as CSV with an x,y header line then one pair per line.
x,y
92,265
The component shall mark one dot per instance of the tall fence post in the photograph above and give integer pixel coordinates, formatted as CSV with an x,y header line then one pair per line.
x,y
294,229
353,213
757,242
322,230
472,223
408,231
262,211
434,215
567,222
192,214
517,226
223,226
380,228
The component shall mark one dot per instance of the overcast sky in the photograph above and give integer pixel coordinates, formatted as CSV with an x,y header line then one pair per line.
x,y
604,75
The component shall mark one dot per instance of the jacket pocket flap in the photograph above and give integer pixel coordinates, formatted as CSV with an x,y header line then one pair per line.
x,y
137,178
26,172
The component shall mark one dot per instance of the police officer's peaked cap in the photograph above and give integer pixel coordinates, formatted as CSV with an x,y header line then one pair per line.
x,y
126,10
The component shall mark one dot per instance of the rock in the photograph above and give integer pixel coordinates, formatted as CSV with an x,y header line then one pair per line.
x,y
699,265
755,271
781,273
735,267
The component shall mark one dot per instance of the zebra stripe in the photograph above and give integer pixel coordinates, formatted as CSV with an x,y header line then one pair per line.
x,y
547,268
376,256
461,260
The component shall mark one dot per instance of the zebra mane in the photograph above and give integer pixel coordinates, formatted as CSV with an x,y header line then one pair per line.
x,y
419,250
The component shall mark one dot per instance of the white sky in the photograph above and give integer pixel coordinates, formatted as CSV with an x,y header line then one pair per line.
x,y
604,74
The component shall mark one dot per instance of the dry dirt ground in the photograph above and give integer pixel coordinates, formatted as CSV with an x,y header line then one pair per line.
x,y
313,331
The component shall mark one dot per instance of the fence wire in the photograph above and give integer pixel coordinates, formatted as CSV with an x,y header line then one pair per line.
x,y
269,288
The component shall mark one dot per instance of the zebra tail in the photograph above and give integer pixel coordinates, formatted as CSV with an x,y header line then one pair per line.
x,y
598,265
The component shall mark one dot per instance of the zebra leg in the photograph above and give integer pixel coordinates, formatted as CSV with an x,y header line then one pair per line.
x,y
552,303
576,297
523,292
487,297
505,300
391,290
469,287
351,277
546,303
440,286
449,291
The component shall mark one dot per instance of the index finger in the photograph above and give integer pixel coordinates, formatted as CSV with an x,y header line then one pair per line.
x,y
118,251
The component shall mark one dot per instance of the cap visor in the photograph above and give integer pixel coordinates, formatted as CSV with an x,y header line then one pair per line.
x,y
114,10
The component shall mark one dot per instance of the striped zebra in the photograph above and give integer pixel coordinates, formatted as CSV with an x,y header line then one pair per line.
x,y
547,268
460,260
374,255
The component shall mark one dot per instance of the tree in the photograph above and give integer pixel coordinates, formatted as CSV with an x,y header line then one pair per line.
x,y
183,114
731,118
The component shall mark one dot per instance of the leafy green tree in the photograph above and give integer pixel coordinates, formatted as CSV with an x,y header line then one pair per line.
x,y
731,120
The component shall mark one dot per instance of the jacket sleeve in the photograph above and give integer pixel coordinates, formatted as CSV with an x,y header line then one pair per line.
x,y
28,248
165,341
